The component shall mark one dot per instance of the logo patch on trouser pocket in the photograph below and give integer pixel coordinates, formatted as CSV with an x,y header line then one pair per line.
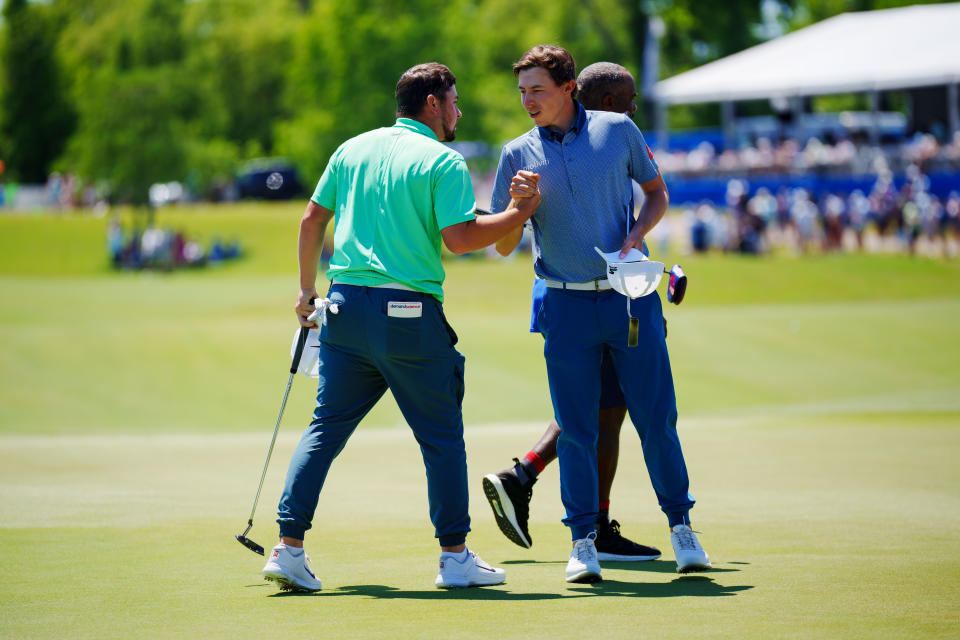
x,y
405,309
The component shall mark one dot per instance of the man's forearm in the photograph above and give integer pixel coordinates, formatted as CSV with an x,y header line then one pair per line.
x,y
509,242
313,228
652,211
654,206
485,230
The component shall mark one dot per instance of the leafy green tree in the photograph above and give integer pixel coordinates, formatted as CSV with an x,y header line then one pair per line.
x,y
133,100
131,135
346,60
178,89
348,57
36,117
237,54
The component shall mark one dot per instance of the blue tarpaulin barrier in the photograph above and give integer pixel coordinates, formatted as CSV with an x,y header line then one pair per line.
x,y
686,190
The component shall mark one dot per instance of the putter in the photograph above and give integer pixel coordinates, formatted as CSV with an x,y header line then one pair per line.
x,y
301,341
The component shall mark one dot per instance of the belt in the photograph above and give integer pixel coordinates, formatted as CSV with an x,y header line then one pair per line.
x,y
601,284
387,285
394,285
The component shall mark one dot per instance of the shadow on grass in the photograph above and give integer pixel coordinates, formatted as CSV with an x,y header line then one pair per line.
x,y
384,592
653,566
690,585
657,566
693,585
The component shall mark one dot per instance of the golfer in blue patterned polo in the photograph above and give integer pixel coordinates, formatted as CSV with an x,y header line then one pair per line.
x,y
586,160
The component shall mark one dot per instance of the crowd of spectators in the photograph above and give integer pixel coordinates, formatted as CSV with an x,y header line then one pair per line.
x,y
886,219
160,249
790,156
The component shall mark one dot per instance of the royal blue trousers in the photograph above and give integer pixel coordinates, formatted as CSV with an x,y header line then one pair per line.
x,y
363,352
577,325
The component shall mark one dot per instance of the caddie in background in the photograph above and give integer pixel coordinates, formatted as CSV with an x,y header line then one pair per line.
x,y
602,86
586,160
396,194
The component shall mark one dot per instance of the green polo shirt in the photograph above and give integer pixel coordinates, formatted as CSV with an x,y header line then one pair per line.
x,y
392,191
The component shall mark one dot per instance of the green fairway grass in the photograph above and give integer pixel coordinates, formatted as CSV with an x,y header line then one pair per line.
x,y
819,404
827,526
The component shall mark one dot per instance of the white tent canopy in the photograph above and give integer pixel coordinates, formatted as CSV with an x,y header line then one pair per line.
x,y
868,51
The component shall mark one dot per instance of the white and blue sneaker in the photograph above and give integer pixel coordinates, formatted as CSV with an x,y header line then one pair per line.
x,y
466,569
690,555
584,566
289,567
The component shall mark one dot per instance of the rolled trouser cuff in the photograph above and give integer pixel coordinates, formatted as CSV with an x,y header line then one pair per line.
x,y
290,529
452,539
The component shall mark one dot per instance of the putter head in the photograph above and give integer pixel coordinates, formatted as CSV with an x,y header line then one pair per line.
x,y
249,544
677,286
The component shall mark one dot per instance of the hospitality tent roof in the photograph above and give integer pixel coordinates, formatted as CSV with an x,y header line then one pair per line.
x,y
866,51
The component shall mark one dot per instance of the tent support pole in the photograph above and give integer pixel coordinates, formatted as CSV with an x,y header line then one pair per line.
x,y
953,108
660,124
796,107
727,120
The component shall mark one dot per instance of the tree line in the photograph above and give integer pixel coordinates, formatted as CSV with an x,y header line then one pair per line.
x,y
125,93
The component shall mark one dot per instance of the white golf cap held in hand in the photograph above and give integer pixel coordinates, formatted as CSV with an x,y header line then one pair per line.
x,y
634,275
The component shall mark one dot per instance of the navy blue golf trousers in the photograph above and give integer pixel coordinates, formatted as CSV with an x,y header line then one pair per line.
x,y
576,327
369,346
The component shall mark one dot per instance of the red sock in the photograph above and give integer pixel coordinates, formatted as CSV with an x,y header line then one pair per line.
x,y
536,461
605,505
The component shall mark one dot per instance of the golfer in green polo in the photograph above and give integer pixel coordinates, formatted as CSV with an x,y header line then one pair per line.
x,y
396,194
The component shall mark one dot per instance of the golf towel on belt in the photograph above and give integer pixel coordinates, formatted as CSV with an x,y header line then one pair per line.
x,y
309,364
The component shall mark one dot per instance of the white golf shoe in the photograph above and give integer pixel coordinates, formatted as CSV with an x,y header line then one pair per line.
x,y
289,567
584,565
690,555
471,571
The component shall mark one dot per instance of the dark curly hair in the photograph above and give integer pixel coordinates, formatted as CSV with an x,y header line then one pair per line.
x,y
416,83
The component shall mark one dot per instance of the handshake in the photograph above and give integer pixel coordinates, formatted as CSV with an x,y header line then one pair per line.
x,y
525,190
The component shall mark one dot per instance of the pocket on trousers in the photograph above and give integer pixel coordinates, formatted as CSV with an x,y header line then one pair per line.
x,y
404,337
541,315
334,330
446,326
458,384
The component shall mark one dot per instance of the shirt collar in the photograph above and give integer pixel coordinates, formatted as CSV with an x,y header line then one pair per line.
x,y
416,125
578,122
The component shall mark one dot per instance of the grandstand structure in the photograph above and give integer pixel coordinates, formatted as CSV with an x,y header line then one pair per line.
x,y
909,48
914,49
